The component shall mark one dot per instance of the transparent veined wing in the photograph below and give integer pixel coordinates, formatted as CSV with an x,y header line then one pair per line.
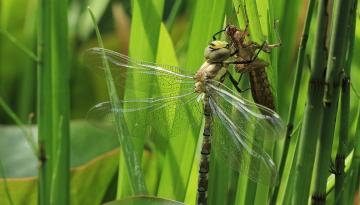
x,y
233,129
153,93
105,111
139,76
247,114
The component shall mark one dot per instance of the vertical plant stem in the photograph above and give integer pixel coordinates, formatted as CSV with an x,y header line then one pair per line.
x,y
313,112
295,93
44,101
53,102
355,165
340,195
333,78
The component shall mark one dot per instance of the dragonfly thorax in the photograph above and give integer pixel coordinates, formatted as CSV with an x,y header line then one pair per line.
x,y
217,51
213,68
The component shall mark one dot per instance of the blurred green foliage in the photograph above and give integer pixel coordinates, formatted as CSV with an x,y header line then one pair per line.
x,y
183,30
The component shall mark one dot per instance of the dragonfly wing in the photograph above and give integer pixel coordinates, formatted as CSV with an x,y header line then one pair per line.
x,y
231,145
236,121
247,115
139,76
164,97
158,111
138,105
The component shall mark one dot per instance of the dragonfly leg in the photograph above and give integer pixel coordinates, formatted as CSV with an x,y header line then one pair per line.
x,y
260,49
246,61
217,33
236,83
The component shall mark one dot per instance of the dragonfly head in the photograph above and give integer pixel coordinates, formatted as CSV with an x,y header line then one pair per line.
x,y
217,51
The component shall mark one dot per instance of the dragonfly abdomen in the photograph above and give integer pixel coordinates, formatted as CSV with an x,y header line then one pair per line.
x,y
205,155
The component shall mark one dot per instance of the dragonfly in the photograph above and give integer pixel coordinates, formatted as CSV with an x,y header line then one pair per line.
x,y
246,49
229,119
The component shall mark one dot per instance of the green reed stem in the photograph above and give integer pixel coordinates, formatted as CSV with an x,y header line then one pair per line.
x,y
330,184
355,165
295,93
313,112
132,161
53,103
44,101
340,195
336,60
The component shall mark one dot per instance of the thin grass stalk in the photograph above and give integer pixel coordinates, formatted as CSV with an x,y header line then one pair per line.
x,y
313,112
53,103
132,161
340,195
333,78
355,165
44,100
295,93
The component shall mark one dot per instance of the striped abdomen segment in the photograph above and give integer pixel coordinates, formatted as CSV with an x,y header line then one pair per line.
x,y
205,156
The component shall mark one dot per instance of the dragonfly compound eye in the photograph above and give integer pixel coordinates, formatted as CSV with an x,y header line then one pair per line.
x,y
230,30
